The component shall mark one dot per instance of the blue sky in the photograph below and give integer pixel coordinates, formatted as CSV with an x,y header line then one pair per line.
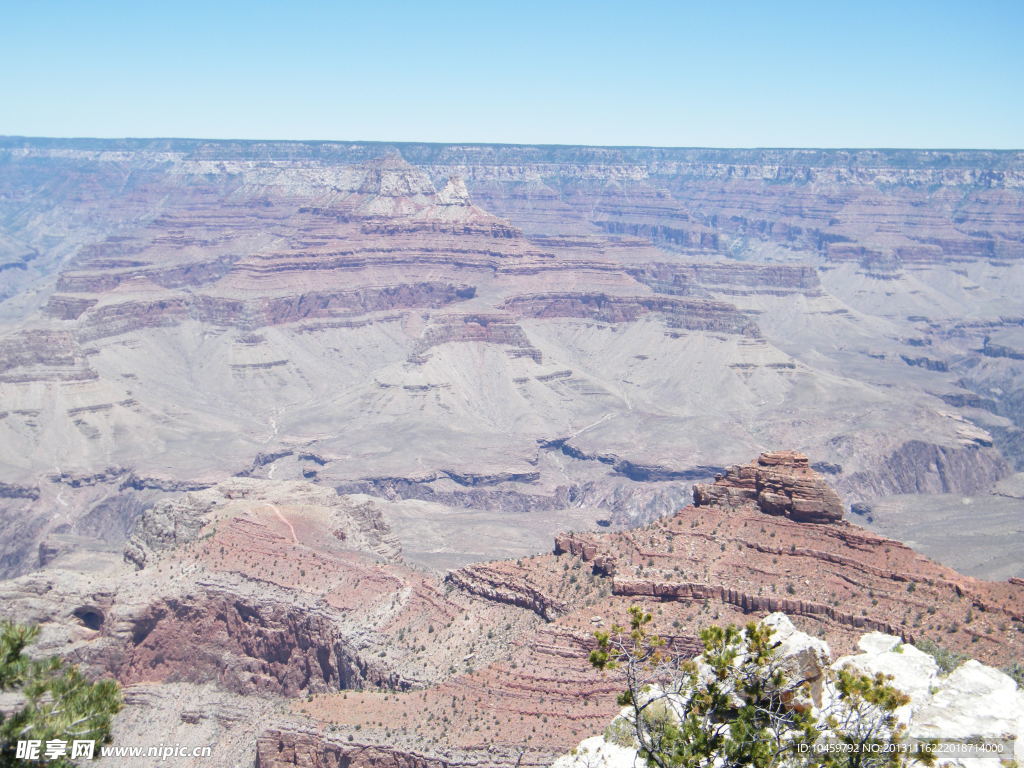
x,y
729,74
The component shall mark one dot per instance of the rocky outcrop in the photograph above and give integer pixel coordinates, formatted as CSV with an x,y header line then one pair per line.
x,y
391,188
102,274
173,523
917,466
68,307
13,491
40,355
927,363
347,303
727,551
128,316
779,483
503,587
361,525
748,603
167,524
451,212
990,349
633,469
586,549
249,646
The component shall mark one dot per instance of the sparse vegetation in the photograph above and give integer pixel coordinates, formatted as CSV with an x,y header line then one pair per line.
x,y
1016,671
946,659
739,707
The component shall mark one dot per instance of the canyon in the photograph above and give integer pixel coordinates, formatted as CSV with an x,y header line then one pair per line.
x,y
282,623
307,442
570,334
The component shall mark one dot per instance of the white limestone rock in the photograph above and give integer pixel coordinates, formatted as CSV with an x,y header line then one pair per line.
x,y
806,657
877,642
595,752
913,671
973,702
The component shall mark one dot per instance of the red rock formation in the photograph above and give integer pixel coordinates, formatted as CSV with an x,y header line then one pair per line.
x,y
780,483
839,576
723,561
504,587
489,667
309,749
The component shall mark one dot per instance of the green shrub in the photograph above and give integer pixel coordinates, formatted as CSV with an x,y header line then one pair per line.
x,y
946,659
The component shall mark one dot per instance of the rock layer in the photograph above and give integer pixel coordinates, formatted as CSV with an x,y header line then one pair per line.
x,y
780,483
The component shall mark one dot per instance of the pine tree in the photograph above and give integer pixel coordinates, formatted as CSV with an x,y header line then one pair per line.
x,y
53,701
739,707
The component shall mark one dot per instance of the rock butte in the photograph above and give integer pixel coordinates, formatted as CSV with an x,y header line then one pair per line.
x,y
779,483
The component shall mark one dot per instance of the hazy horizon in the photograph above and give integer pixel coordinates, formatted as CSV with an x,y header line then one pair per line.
x,y
417,142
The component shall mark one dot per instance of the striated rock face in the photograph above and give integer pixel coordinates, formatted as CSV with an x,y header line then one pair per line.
x,y
780,483
727,551
453,212
729,279
40,355
479,328
688,314
745,601
501,586
255,644
967,468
